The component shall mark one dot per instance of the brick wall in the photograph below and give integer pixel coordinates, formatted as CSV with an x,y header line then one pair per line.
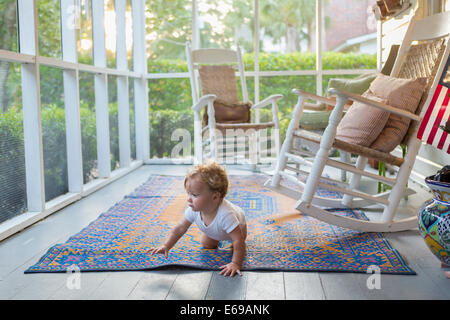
x,y
348,19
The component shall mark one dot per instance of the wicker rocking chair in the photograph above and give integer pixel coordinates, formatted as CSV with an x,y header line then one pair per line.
x,y
422,54
226,118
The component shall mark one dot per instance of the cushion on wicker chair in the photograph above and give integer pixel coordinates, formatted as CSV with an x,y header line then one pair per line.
x,y
230,113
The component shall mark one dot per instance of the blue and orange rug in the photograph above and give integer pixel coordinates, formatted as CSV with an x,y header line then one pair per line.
x,y
119,238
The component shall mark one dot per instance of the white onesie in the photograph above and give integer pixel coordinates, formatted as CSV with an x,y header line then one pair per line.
x,y
228,217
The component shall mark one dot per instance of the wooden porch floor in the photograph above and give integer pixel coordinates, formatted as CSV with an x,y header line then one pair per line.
x,y
21,250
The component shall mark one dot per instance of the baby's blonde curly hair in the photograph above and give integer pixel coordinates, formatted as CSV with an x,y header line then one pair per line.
x,y
211,174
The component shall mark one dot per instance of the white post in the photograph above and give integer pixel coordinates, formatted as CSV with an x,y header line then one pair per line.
x,y
361,163
293,125
198,149
252,146
198,153
214,134
379,45
192,74
319,47
195,30
71,97
31,104
322,155
123,104
276,129
256,53
101,90
140,84
256,79
242,73
402,178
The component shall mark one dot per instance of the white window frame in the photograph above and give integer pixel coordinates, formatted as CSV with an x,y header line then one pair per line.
x,y
31,61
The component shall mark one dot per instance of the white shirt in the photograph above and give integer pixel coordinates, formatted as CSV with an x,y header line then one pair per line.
x,y
228,217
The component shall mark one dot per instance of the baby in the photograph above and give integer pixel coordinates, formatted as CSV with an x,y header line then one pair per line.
x,y
206,186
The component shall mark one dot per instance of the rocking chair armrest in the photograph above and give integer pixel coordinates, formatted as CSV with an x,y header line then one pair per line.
x,y
313,96
376,104
204,102
267,101
313,106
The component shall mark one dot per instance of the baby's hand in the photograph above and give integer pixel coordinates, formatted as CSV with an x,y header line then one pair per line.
x,y
231,269
163,249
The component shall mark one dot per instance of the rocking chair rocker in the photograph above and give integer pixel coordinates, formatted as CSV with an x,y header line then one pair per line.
x,y
425,58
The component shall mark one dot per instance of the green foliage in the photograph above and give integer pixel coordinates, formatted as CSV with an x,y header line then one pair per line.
x,y
350,60
54,151
162,125
8,25
88,140
286,18
12,164
51,83
49,29
169,25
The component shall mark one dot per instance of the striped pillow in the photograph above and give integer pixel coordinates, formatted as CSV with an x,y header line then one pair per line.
x,y
362,123
372,127
400,93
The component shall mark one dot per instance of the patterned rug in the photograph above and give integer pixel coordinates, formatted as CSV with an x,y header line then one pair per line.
x,y
119,238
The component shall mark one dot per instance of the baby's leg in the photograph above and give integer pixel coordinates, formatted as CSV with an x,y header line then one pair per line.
x,y
209,243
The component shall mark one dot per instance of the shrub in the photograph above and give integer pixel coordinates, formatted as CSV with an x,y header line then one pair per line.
x,y
54,151
13,199
162,125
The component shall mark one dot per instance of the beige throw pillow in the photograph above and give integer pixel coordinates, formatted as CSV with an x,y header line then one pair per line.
x,y
362,123
404,94
372,127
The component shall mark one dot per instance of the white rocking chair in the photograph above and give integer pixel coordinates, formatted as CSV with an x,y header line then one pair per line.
x,y
214,71
425,59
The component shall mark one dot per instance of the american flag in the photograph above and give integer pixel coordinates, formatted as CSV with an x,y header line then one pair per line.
x,y
435,126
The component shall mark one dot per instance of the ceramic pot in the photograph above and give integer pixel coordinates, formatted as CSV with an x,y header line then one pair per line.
x,y
434,220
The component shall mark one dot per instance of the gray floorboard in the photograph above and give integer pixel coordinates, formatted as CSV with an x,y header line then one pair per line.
x,y
303,286
227,288
266,285
154,285
190,285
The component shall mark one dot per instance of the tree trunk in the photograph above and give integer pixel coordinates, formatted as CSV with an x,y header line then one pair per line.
x,y
292,39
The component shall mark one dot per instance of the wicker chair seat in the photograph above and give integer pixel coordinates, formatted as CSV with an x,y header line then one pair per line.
x,y
222,127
